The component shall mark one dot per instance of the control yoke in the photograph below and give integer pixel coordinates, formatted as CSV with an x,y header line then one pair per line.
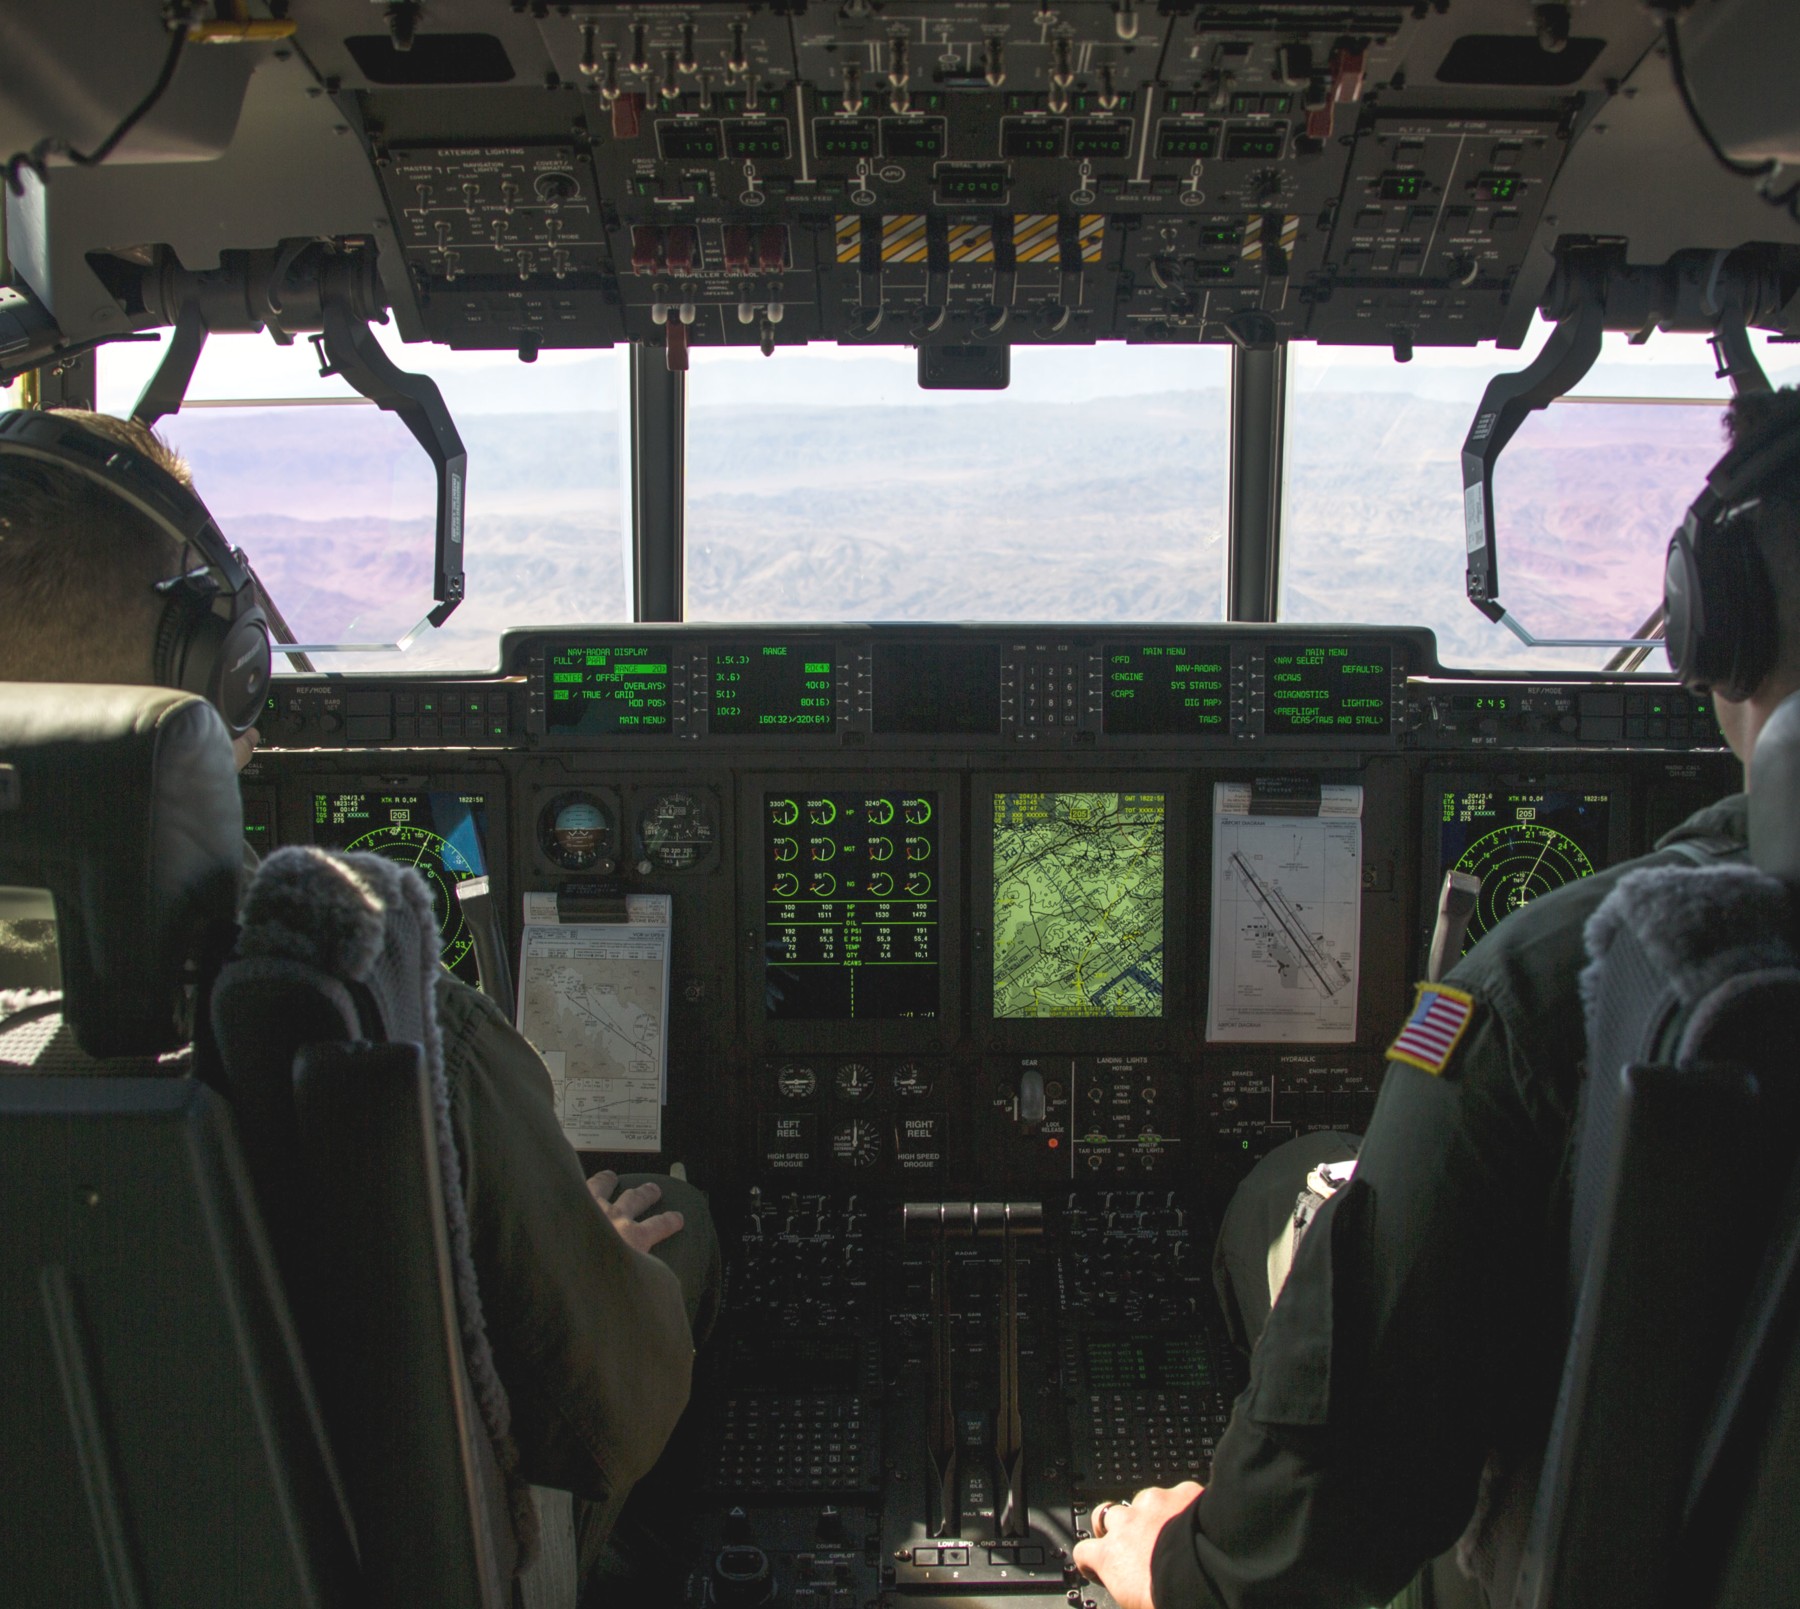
x,y
311,286
1591,293
347,348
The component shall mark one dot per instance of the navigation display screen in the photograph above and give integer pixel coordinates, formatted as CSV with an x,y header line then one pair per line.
x,y
1078,904
1521,843
1172,690
939,689
1325,687
442,836
773,687
617,687
850,888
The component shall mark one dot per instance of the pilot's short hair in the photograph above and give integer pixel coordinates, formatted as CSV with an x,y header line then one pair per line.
x,y
79,567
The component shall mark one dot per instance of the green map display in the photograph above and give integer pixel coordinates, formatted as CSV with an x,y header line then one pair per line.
x,y
1078,904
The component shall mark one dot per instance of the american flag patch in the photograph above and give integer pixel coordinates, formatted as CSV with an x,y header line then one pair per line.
x,y
1431,1034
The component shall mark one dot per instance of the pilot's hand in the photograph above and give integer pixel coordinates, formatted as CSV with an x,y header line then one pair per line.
x,y
629,1208
1118,1553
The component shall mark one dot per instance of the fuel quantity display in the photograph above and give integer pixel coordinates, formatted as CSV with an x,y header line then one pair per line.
x,y
441,835
773,687
1521,843
1326,687
1167,690
617,687
850,888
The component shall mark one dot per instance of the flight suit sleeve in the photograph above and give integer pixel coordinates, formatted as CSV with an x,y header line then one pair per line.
x,y
1394,1351
590,1337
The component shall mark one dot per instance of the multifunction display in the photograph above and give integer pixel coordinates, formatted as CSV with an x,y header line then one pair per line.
x,y
1078,904
1521,843
851,883
1147,1362
442,836
617,687
773,687
1328,687
1167,689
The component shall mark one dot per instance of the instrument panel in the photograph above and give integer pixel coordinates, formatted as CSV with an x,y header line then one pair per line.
x,y
949,912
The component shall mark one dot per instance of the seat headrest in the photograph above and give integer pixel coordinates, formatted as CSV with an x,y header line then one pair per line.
x,y
1774,816
123,803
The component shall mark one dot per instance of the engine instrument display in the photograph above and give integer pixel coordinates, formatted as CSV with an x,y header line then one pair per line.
x,y
442,836
613,687
851,905
1078,904
1521,843
1327,687
1167,690
773,687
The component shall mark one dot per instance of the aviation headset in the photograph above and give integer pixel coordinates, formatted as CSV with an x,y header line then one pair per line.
x,y
213,637
1722,631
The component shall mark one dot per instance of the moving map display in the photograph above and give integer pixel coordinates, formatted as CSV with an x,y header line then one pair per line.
x,y
1521,842
1078,904
850,883
440,835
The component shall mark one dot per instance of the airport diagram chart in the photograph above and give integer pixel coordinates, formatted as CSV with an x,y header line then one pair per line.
x,y
1286,919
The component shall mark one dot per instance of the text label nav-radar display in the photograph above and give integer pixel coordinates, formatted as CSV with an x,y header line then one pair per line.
x,y
1521,842
442,836
1167,689
1325,687
851,885
773,687
1078,904
612,688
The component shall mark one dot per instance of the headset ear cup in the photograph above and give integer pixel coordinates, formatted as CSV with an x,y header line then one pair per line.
x,y
1721,608
1683,608
241,671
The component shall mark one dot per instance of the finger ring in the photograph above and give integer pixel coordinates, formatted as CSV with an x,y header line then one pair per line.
x,y
1099,1515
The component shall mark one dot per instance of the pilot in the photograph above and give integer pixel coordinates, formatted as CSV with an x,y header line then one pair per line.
x,y
596,1291
1401,1393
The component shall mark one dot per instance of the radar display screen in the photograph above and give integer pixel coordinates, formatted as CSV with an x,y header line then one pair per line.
x,y
1327,687
615,687
1521,843
850,890
1147,1363
1167,690
938,689
1078,904
773,687
442,836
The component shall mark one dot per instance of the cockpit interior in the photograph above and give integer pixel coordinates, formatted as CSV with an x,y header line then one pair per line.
x,y
935,589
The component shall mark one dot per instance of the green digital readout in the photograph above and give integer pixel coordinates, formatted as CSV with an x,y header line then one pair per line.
x,y
1255,144
691,141
613,687
1402,186
773,687
760,140
1036,137
1147,1363
908,138
839,137
1327,687
1167,689
1105,137
1187,142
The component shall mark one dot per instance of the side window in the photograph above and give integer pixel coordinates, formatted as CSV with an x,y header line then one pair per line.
x,y
1586,495
333,500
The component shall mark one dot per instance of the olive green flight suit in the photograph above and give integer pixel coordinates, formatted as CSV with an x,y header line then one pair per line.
x,y
1419,1338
